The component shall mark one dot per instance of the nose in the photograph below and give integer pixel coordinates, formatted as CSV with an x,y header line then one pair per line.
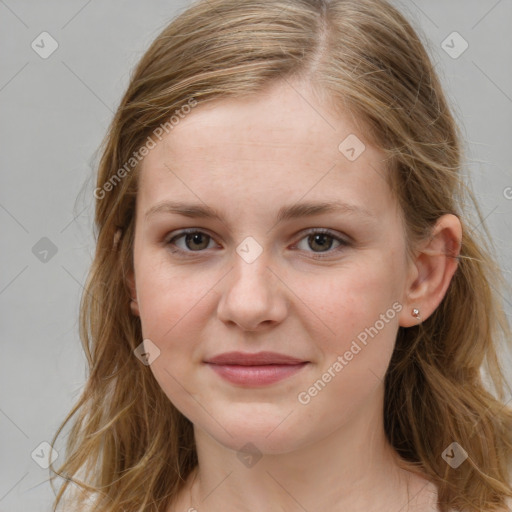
x,y
252,295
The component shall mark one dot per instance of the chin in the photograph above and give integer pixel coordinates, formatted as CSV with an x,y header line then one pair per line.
x,y
258,443
258,432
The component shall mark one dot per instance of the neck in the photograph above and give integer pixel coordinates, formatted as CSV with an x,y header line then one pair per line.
x,y
354,468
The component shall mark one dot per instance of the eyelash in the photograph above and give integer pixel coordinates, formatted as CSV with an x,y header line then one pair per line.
x,y
343,242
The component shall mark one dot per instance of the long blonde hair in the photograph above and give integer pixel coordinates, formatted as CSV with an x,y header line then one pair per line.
x,y
131,448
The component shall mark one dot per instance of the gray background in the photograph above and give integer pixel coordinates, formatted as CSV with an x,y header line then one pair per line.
x,y
54,114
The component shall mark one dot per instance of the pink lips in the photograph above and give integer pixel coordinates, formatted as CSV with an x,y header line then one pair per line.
x,y
258,369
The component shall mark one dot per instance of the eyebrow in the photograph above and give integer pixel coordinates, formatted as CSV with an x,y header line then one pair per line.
x,y
306,209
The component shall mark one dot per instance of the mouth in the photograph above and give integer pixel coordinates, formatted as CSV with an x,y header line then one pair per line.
x,y
255,369
256,375
255,359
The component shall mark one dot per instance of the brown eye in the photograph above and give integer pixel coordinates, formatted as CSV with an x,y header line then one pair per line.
x,y
194,241
320,241
317,242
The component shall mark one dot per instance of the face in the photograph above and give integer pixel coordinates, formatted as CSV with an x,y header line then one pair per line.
x,y
325,289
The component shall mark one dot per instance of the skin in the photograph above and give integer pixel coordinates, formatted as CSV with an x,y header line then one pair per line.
x,y
248,158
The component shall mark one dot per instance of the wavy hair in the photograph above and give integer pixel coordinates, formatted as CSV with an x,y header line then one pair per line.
x,y
128,447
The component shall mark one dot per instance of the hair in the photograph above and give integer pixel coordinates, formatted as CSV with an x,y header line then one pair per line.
x,y
132,449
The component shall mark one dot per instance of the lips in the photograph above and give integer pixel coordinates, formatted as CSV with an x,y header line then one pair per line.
x,y
254,370
254,359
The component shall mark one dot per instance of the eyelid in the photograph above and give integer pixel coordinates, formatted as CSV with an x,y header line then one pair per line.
x,y
186,231
325,231
344,240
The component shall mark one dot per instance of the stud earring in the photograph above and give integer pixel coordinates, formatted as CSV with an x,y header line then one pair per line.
x,y
416,313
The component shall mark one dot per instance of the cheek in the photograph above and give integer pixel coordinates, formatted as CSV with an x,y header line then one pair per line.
x,y
360,307
169,297
354,299
172,306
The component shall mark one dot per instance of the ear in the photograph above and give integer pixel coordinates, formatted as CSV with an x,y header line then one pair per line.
x,y
133,293
432,270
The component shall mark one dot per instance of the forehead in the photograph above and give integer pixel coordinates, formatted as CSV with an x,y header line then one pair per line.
x,y
269,124
277,146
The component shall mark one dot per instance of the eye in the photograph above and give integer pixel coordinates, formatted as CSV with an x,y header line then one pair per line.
x,y
194,241
320,240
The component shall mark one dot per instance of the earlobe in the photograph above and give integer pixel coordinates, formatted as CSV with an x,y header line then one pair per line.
x,y
134,306
435,265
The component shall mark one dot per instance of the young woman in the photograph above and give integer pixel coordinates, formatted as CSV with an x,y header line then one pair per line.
x,y
288,308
